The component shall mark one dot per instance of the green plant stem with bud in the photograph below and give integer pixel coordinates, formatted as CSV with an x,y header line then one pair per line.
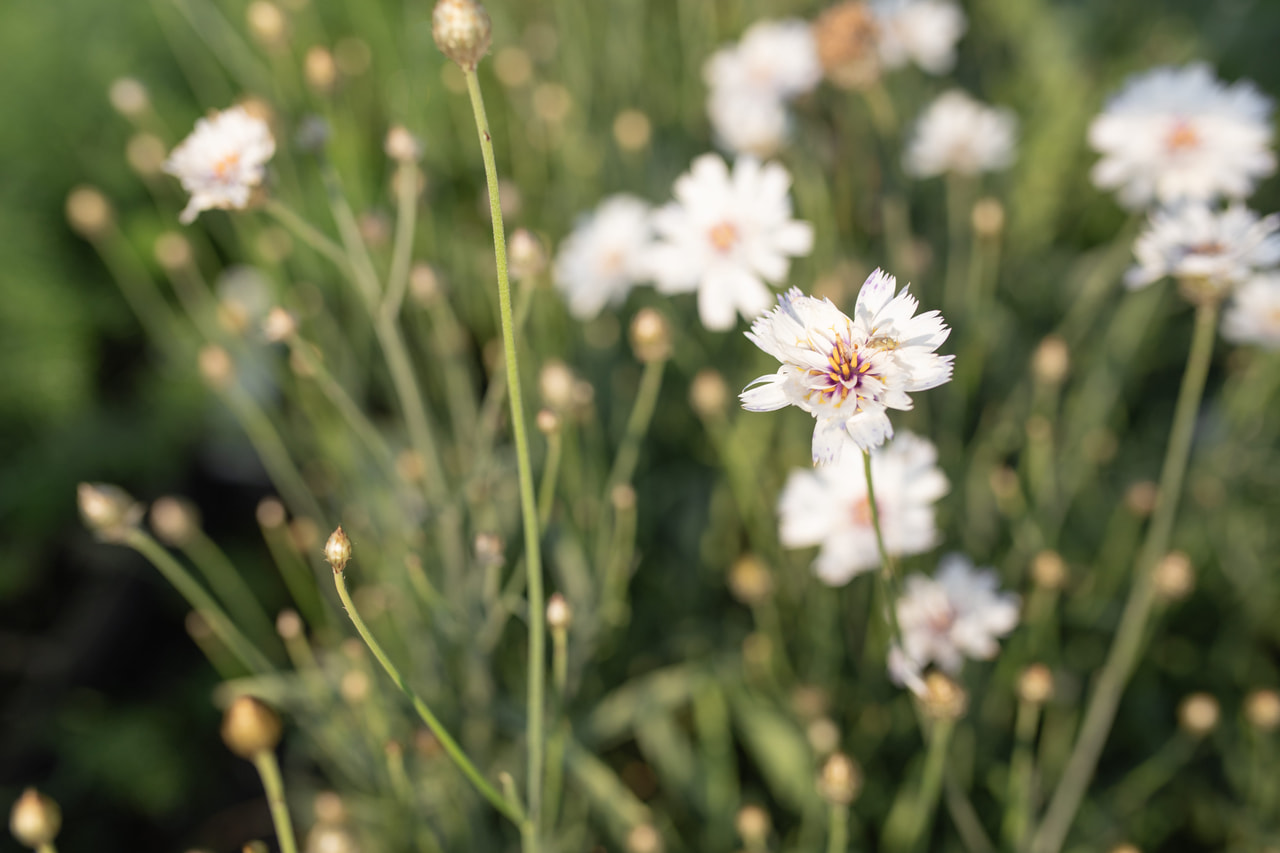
x,y
537,668
273,784
1123,655
450,745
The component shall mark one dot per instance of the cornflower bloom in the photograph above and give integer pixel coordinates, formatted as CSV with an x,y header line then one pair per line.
x,y
921,31
959,135
605,256
1253,316
1213,250
222,161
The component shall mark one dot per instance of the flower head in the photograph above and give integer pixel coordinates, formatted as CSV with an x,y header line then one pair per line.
x,y
848,36
959,135
1253,317
725,235
774,59
829,507
921,31
958,613
1215,249
847,372
1180,133
605,255
222,161
748,124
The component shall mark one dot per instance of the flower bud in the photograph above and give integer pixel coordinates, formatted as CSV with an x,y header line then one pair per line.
x,y
424,284
108,510
146,153
216,367
174,520
289,624
750,581
1198,714
354,686
632,130
328,838
840,781
270,513
462,31
708,394
329,808
513,66
846,38
527,257
555,382
1049,570
548,422
401,145
267,23
1035,684
279,326
644,839
1051,361
320,69
650,335
172,252
623,497
337,550
987,218
1173,577
1140,498
128,97
250,727
559,614
823,736
752,823
35,819
1262,710
944,698
88,212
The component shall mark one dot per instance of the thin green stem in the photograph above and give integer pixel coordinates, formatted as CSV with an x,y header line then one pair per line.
x,y
537,674
203,603
450,745
402,249
1123,655
307,233
837,828
960,192
1017,814
624,464
227,583
341,400
273,784
275,457
550,475
888,570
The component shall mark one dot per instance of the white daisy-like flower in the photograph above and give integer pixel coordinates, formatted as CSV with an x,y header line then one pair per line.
x,y
606,255
745,123
959,613
725,235
222,161
774,59
959,135
848,372
829,507
1217,249
1253,316
921,31
1180,133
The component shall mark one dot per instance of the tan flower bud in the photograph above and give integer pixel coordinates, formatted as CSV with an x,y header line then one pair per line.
x,y
623,498
644,838
267,23
823,736
270,513
752,823
750,581
1198,714
650,335
708,394
250,727
88,212
1125,847
462,31
353,55
304,534
513,66
108,510
987,218
354,686
174,520
1051,361
1049,571
846,36
489,550
128,97
172,252
35,819
289,624
401,145
280,325
559,614
329,808
1140,499
527,256
548,422
424,284
555,382
1262,710
320,69
552,102
632,130
327,838
1035,684
216,367
1173,576
944,698
337,550
145,153
840,781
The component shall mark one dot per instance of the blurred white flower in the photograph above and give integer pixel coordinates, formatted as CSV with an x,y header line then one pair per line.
x,y
958,613
748,124
848,372
829,507
1195,242
921,31
606,255
1253,317
725,235
959,135
222,160
774,59
1180,133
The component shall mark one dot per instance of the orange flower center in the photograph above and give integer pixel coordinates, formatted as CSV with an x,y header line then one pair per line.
x,y
723,236
1183,137
861,512
224,165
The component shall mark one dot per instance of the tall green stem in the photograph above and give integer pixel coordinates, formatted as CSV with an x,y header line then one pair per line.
x,y
1123,656
537,667
273,784
837,828
888,573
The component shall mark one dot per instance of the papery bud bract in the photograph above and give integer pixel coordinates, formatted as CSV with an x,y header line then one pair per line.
x,y
1035,684
944,698
559,614
174,520
650,335
840,781
108,510
527,257
401,145
250,727
337,550
35,819
462,31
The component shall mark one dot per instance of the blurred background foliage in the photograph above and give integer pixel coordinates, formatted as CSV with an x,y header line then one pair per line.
x,y
105,699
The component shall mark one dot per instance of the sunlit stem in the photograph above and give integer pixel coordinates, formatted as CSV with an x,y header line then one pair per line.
x,y
550,475
888,570
537,666
273,784
1017,813
837,828
406,180
1123,655
624,464
307,233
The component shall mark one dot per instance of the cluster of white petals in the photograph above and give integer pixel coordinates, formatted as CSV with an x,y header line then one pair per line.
x,y
1174,134
829,507
1253,315
1219,248
750,82
959,613
921,31
959,135
222,161
605,256
725,235
848,371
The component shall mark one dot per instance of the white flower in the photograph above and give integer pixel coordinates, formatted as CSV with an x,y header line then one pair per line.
x,y
958,613
829,507
222,160
1194,242
774,59
848,372
725,235
748,124
959,135
921,31
1253,317
605,255
1180,133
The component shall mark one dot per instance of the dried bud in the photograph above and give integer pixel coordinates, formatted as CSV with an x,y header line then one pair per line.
x,y
1173,577
846,36
1049,570
750,581
289,624
1198,714
513,66
489,550
280,325
462,31
644,839
559,614
1051,361
708,394
128,97
329,808
548,422
354,686
840,781
752,823
337,550
623,497
174,520
35,819
327,838
527,257
823,736
632,130
146,154
402,146
1035,684
172,252
555,382
1125,847
108,510
304,534
650,335
987,218
424,284
250,727
944,698
1140,499
267,23
88,212
1262,710
270,513
320,69
216,367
